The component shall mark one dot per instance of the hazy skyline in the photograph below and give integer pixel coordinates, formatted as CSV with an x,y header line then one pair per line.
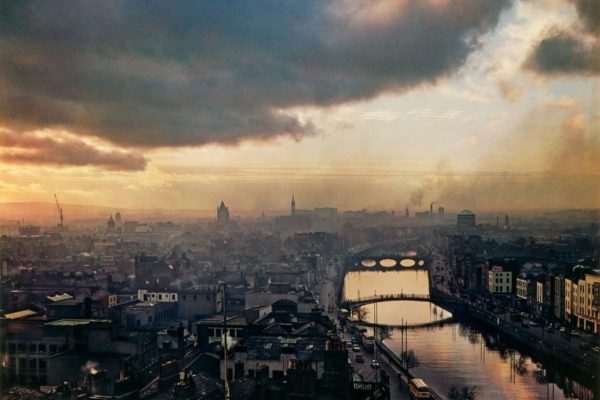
x,y
352,104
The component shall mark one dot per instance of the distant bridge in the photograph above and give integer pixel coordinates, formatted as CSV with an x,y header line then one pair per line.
x,y
350,304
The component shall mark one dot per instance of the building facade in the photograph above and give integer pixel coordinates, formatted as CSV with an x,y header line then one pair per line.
x,y
499,281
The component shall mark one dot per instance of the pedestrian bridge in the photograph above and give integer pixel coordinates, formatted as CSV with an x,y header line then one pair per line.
x,y
350,304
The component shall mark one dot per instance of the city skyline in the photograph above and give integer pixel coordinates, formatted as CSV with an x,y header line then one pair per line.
x,y
487,106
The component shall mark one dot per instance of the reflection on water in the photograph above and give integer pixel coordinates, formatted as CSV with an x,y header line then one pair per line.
x,y
397,313
457,353
368,283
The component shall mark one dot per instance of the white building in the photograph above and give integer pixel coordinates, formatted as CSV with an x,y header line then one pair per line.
x,y
522,284
499,281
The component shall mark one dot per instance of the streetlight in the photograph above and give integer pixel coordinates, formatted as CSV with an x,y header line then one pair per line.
x,y
224,305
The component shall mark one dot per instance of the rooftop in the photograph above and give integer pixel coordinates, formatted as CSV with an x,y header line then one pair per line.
x,y
59,297
20,314
465,212
75,322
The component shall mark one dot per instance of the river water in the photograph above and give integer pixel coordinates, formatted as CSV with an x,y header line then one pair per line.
x,y
457,353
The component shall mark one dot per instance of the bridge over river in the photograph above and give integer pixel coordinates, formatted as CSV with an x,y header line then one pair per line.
x,y
354,303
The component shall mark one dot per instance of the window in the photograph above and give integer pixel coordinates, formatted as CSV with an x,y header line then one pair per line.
x,y
12,347
172,297
32,348
194,297
32,363
184,297
52,348
42,348
21,347
42,364
160,296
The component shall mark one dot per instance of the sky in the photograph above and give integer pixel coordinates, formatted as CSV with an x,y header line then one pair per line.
x,y
486,105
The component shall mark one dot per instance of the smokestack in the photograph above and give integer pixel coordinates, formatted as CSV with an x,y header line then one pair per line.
x,y
406,214
431,210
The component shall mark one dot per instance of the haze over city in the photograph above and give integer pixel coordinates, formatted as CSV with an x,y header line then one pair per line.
x,y
300,200
491,105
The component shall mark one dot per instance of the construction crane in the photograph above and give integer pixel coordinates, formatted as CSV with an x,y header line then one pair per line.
x,y
60,212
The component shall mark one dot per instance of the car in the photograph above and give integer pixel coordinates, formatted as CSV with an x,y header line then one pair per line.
x,y
359,358
574,333
374,364
596,349
533,323
355,348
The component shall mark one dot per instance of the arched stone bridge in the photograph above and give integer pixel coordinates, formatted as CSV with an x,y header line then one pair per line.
x,y
387,262
351,304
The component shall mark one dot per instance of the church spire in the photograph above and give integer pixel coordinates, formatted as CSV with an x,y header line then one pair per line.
x,y
293,205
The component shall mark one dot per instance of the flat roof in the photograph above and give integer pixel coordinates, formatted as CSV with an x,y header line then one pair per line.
x,y
75,322
20,314
59,297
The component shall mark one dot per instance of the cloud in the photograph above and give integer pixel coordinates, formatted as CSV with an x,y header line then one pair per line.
x,y
576,149
151,74
565,53
576,51
556,164
64,150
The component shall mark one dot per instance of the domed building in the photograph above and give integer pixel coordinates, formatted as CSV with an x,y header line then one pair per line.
x,y
465,219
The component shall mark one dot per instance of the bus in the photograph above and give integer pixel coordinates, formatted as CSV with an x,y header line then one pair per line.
x,y
418,389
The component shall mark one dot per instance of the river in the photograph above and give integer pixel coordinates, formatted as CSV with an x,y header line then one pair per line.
x,y
457,352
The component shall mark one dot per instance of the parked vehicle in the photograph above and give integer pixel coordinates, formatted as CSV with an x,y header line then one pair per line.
x,y
359,358
375,364
355,348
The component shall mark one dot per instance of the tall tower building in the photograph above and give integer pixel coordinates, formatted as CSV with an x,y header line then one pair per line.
x,y
118,219
110,224
293,205
506,222
222,213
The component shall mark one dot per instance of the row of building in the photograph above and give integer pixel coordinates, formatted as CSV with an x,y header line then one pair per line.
x,y
554,281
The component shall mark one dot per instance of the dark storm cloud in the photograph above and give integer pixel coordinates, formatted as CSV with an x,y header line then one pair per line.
x,y
27,148
565,53
570,52
161,73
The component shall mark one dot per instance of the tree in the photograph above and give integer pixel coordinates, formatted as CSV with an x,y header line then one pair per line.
x,y
462,393
361,313
383,333
409,359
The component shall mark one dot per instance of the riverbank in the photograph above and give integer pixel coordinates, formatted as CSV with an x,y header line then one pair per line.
x,y
551,351
402,374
